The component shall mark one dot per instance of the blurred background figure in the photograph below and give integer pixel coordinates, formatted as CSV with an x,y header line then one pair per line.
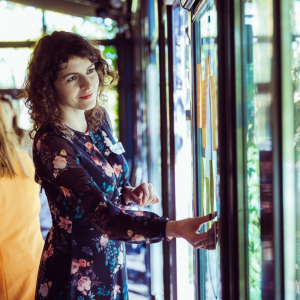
x,y
25,143
21,242
12,123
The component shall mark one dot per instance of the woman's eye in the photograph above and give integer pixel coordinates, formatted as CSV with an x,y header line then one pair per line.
x,y
71,78
91,70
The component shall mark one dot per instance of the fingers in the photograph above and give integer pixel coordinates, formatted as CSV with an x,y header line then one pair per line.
x,y
146,195
210,240
152,193
207,244
135,199
209,217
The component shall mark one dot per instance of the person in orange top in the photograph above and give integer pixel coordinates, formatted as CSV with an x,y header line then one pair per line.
x,y
21,241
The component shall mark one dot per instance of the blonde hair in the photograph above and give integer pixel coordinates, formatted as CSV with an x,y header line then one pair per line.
x,y
9,159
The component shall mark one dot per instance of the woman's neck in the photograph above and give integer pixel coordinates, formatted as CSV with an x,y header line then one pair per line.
x,y
76,121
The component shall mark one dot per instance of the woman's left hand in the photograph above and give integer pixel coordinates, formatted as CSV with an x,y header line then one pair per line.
x,y
143,195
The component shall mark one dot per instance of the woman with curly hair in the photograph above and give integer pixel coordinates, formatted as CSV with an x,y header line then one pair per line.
x,y
85,177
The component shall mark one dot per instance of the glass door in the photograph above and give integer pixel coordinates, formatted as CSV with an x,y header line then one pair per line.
x,y
183,147
206,139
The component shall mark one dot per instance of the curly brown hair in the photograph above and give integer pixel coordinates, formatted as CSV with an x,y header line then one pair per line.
x,y
42,71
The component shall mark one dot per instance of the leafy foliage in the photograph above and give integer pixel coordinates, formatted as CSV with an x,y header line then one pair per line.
x,y
254,222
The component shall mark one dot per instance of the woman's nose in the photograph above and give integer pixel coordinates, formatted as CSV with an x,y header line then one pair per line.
x,y
85,83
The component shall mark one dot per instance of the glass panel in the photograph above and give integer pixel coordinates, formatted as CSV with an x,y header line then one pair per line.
x,y
183,148
109,53
207,140
21,22
13,63
154,146
91,27
295,48
258,78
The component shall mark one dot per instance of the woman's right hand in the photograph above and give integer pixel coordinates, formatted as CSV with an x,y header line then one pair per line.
x,y
189,230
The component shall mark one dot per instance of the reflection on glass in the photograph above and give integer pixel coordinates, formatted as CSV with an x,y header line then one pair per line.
x,y
295,48
91,27
13,63
258,75
183,148
207,99
21,22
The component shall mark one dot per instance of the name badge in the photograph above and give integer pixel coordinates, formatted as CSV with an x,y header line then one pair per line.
x,y
117,148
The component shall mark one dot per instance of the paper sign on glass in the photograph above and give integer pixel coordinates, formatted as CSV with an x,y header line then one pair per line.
x,y
204,93
117,148
199,91
214,113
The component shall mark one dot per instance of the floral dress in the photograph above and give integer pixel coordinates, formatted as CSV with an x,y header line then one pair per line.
x,y
84,252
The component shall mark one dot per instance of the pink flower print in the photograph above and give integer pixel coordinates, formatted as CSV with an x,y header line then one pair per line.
x,y
89,145
138,237
47,253
121,257
96,149
108,142
50,284
74,266
59,162
38,144
87,133
104,240
97,161
88,264
118,169
50,251
44,255
104,133
44,289
82,263
65,191
51,235
139,213
63,152
84,284
108,169
116,290
65,224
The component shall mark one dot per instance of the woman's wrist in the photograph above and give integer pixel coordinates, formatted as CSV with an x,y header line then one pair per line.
x,y
173,229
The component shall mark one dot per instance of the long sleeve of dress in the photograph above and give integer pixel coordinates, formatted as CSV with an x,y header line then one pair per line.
x,y
60,170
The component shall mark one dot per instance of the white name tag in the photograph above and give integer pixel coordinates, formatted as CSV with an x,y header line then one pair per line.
x,y
117,148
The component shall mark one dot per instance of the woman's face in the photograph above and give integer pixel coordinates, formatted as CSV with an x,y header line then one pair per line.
x,y
77,84
9,114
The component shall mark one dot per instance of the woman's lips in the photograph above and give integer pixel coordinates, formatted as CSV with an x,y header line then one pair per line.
x,y
87,96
